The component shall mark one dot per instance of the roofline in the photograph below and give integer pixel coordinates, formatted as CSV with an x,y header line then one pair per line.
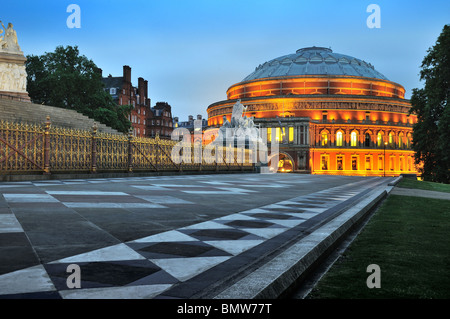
x,y
300,76
309,96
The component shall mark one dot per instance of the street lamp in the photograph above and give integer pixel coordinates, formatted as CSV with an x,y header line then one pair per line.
x,y
384,157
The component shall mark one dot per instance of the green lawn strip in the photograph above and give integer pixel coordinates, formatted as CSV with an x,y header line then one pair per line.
x,y
412,183
409,238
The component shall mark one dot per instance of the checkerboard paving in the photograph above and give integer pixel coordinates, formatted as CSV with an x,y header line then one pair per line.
x,y
148,267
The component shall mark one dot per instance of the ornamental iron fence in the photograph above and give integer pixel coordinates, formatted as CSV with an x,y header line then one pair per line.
x,y
43,149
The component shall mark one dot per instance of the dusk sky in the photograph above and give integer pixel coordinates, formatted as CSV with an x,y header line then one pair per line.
x,y
192,51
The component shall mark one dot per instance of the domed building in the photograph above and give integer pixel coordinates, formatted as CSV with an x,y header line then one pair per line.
x,y
330,113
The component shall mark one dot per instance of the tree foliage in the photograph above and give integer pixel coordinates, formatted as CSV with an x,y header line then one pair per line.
x,y
66,79
431,134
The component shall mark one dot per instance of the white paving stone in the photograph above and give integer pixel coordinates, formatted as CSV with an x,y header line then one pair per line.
x,y
132,292
186,268
33,279
9,224
168,236
111,253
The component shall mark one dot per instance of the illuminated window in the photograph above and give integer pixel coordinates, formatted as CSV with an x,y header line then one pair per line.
x,y
400,141
269,134
391,139
401,163
379,139
339,138
391,163
291,134
278,136
282,132
339,163
354,139
324,138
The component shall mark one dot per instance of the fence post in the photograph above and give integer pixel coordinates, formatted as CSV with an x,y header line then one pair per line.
x,y
157,151
130,150
94,149
47,147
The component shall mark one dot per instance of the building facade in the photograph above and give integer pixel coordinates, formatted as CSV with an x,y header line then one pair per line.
x,y
124,93
196,127
330,113
161,121
146,121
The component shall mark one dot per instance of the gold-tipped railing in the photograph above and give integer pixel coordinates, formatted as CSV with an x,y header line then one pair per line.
x,y
43,149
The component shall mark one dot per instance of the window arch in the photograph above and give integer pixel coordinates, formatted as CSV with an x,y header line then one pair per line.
x,y
367,140
391,139
380,139
354,138
339,138
400,140
324,138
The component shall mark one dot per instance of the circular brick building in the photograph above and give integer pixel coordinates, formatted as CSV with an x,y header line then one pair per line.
x,y
330,113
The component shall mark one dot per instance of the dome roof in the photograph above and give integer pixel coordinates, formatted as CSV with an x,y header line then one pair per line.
x,y
315,61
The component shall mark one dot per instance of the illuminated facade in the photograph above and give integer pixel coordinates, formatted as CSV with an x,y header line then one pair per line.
x,y
331,114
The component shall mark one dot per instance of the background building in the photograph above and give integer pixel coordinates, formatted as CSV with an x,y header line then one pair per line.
x,y
124,93
146,121
197,131
331,114
160,121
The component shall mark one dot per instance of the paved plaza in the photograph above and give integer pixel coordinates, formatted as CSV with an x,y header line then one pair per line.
x,y
184,236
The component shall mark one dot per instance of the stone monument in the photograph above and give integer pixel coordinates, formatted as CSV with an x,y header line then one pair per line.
x,y
13,75
239,129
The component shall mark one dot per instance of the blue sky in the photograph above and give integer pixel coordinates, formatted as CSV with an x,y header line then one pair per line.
x,y
191,51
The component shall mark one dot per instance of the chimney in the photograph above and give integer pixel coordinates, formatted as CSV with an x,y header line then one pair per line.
x,y
141,90
199,117
126,74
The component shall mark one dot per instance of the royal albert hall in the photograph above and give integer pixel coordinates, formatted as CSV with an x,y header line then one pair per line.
x,y
330,113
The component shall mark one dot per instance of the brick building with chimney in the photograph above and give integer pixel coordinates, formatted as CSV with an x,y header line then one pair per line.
x,y
145,120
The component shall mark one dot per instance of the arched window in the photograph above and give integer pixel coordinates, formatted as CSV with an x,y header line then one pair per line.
x,y
324,138
391,139
367,140
379,139
400,140
354,139
339,138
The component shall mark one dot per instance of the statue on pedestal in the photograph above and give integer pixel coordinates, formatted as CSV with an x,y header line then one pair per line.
x,y
8,42
13,74
239,127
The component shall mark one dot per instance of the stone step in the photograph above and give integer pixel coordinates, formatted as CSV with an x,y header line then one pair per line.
x,y
17,111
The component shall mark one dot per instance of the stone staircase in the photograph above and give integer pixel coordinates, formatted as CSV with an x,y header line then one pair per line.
x,y
17,111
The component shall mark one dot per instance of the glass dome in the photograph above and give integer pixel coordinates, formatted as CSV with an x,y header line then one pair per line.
x,y
315,61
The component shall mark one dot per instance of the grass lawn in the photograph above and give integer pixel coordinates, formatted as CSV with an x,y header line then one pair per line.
x,y
409,239
429,186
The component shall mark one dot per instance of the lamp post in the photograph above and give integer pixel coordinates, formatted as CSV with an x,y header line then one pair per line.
x,y
384,157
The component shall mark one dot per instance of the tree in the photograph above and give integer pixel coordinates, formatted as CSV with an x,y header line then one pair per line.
x,y
66,79
431,134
